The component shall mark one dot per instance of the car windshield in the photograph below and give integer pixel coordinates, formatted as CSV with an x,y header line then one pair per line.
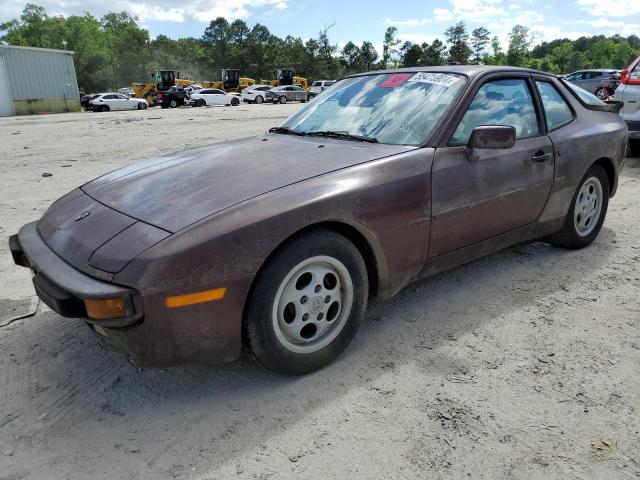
x,y
393,108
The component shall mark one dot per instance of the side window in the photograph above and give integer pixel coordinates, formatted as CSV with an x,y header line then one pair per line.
x,y
500,102
110,97
556,109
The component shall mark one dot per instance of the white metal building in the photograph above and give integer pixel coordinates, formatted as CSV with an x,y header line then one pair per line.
x,y
37,80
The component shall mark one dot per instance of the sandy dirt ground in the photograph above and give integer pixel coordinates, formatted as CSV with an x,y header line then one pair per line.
x,y
523,365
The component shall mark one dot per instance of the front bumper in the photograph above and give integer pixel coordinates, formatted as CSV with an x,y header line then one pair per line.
x,y
202,334
62,287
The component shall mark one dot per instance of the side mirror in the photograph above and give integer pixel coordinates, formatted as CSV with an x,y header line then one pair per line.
x,y
490,137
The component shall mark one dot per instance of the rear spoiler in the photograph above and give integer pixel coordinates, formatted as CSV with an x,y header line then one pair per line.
x,y
610,106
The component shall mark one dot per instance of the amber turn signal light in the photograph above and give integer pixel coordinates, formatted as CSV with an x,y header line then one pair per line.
x,y
195,298
106,308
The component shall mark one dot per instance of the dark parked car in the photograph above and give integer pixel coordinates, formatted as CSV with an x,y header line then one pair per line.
x,y
276,242
85,99
172,98
291,93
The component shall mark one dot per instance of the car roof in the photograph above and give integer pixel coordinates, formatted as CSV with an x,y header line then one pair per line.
x,y
467,70
596,70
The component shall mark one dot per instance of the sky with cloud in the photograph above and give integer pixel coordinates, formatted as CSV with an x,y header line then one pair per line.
x,y
357,20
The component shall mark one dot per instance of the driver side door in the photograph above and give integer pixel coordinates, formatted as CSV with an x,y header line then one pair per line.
x,y
498,190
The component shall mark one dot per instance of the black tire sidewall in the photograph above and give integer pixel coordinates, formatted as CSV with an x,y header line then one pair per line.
x,y
259,326
261,99
282,100
569,237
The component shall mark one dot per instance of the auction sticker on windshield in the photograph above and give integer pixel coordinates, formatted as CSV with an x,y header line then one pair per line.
x,y
443,79
395,80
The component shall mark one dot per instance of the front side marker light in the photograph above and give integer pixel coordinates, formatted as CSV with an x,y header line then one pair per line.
x,y
107,308
177,301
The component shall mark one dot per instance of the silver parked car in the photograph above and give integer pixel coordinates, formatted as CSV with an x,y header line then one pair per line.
x,y
319,86
291,93
628,92
591,80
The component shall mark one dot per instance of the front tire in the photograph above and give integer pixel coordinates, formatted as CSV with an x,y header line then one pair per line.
x,y
235,102
587,212
259,99
282,100
307,303
142,106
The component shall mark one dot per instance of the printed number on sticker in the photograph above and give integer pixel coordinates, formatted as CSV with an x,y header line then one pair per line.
x,y
443,79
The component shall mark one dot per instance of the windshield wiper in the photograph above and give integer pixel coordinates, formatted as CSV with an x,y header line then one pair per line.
x,y
342,135
285,130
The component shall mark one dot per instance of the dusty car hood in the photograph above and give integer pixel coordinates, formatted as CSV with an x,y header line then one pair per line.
x,y
175,191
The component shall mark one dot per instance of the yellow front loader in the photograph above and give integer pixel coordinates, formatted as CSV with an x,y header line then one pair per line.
x,y
230,81
284,76
162,80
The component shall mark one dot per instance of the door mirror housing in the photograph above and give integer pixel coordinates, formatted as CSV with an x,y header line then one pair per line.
x,y
490,137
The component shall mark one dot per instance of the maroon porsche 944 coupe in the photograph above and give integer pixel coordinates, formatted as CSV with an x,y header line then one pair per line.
x,y
275,243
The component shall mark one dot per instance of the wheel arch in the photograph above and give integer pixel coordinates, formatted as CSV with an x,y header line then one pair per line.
x,y
372,260
609,168
352,233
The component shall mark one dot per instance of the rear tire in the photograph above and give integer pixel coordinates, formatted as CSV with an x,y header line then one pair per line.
x,y
633,149
310,97
173,103
587,212
201,103
307,303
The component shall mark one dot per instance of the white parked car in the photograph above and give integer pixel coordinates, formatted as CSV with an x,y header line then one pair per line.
x,y
116,101
319,86
191,89
255,93
628,92
213,96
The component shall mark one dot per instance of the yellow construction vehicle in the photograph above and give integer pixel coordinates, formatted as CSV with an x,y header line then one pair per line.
x,y
230,81
284,76
162,80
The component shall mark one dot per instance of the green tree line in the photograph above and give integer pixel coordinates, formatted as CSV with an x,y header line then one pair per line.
x,y
114,50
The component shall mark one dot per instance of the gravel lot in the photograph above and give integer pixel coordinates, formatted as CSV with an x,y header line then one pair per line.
x,y
522,365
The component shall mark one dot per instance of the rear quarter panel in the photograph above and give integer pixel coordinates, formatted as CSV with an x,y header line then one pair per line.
x,y
592,136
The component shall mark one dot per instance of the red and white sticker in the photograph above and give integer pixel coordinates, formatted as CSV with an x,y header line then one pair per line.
x,y
443,79
396,79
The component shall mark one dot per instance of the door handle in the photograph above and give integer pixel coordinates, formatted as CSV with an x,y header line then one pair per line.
x,y
541,157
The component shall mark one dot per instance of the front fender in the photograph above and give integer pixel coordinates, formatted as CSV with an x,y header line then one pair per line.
x,y
387,201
